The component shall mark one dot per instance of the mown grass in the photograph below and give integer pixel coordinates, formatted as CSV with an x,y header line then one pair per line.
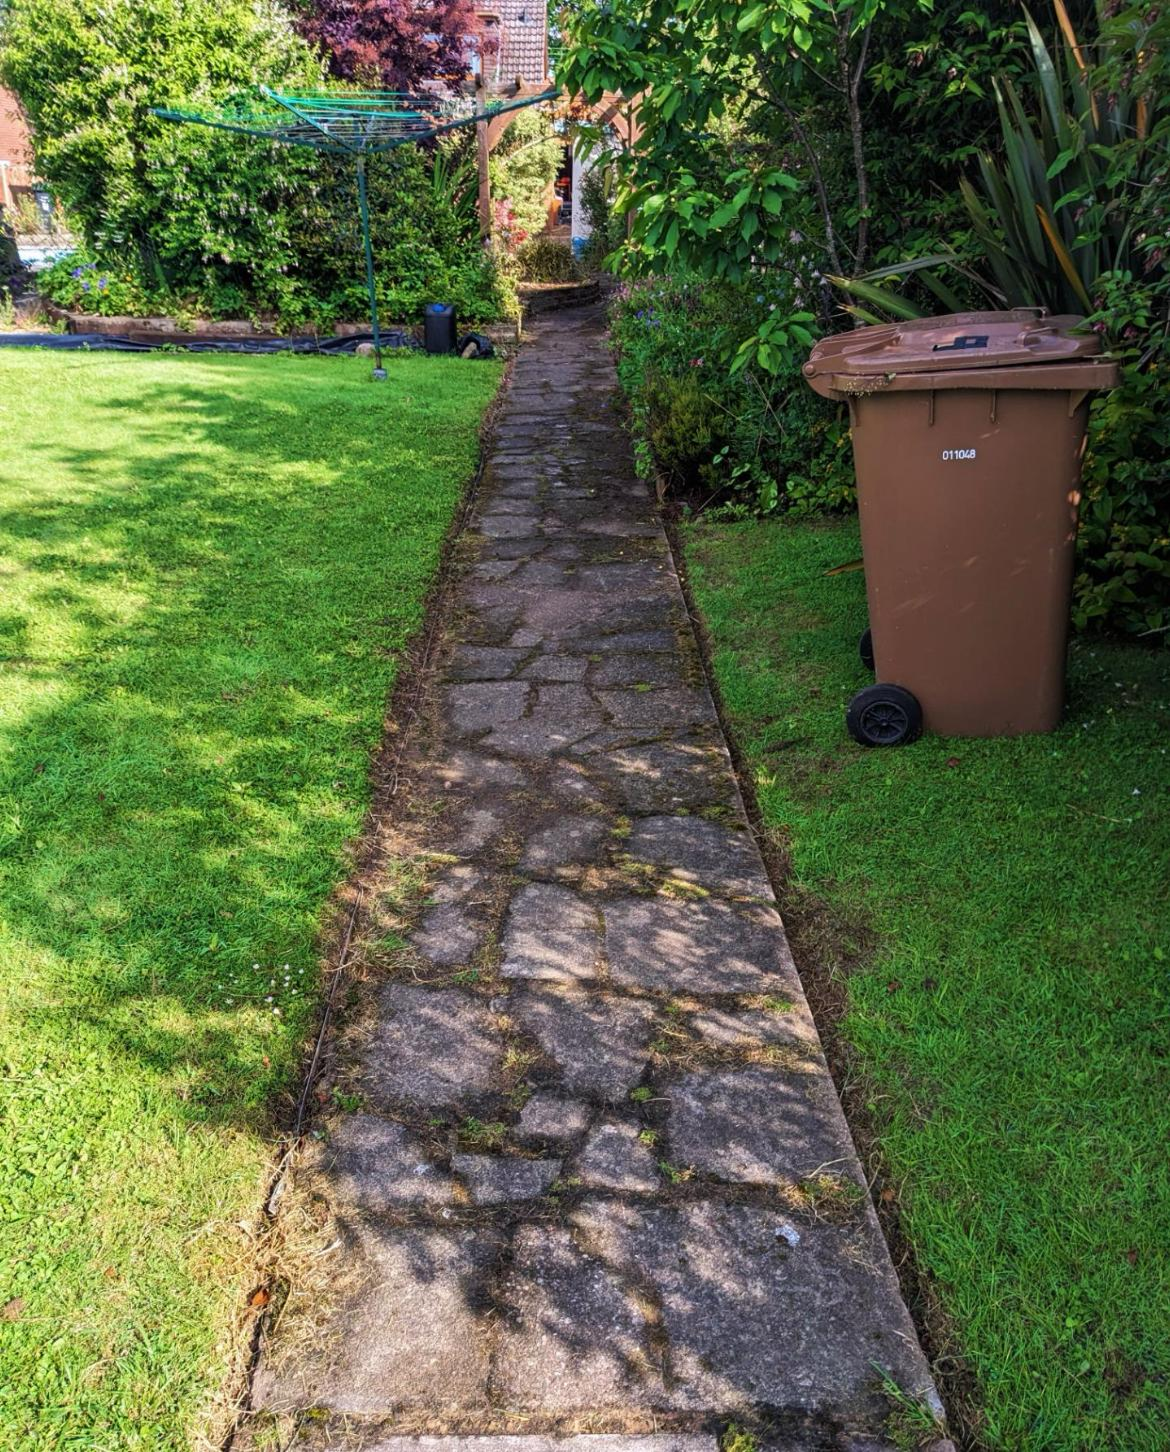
x,y
210,569
1005,904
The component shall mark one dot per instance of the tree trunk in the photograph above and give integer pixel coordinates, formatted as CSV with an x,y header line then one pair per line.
x,y
482,159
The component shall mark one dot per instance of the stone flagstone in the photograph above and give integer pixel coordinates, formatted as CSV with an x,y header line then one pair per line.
x,y
551,933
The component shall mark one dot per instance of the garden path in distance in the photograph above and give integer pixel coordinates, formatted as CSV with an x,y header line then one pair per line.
x,y
588,1183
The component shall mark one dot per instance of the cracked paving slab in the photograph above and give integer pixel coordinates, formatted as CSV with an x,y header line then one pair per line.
x,y
599,1044
407,1335
760,1311
598,1174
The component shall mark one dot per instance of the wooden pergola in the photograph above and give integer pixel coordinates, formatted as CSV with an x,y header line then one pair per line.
x,y
614,110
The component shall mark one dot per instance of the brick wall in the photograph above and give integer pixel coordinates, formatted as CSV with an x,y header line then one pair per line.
x,y
14,147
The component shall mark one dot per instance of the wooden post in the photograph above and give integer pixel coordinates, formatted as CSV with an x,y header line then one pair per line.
x,y
482,155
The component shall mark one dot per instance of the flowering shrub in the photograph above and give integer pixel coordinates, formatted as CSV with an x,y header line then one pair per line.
x,y
717,426
506,228
79,282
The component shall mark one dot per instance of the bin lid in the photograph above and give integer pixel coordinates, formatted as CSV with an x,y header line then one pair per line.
x,y
935,345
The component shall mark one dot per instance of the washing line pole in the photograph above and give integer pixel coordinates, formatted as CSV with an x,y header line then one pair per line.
x,y
352,124
364,205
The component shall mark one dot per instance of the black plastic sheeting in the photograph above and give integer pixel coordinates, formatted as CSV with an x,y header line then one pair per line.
x,y
115,343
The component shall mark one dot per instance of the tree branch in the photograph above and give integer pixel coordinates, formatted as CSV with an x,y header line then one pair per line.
x,y
818,175
856,127
859,73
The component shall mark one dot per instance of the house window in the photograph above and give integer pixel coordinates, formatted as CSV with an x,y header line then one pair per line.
x,y
487,43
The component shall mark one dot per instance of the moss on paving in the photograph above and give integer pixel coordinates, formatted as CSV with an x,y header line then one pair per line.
x,y
1006,906
211,567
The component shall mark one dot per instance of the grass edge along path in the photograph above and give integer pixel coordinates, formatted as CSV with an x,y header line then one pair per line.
x,y
994,915
212,570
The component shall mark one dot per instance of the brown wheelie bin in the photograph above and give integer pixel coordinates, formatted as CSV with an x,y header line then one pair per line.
x,y
968,433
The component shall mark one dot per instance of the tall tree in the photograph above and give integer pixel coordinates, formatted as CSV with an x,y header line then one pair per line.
x,y
396,45
733,97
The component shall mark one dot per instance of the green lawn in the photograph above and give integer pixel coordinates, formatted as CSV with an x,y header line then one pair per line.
x,y
1005,905
210,568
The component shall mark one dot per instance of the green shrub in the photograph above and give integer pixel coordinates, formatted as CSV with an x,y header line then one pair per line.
x,y
524,167
682,426
426,249
1123,578
547,259
715,426
597,197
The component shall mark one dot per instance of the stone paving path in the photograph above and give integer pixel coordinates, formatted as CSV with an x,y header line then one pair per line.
x,y
594,1177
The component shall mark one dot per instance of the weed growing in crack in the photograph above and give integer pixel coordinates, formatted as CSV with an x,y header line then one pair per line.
x,y
910,1423
829,1196
738,1439
675,1174
474,1134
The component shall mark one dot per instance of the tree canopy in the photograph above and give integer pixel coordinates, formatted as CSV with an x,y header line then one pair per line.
x,y
394,45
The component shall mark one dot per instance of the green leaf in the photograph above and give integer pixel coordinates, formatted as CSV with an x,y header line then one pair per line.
x,y
897,306
1060,163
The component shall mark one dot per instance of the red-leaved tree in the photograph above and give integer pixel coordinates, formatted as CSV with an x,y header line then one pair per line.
x,y
395,45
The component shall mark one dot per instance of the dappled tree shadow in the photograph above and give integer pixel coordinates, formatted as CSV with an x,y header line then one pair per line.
x,y
212,588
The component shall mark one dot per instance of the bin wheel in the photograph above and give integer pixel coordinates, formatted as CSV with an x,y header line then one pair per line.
x,y
884,716
865,648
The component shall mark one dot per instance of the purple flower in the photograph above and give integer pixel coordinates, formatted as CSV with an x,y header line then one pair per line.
x,y
76,272
103,283
85,287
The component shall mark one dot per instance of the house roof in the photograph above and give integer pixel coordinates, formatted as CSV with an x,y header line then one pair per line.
x,y
523,40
